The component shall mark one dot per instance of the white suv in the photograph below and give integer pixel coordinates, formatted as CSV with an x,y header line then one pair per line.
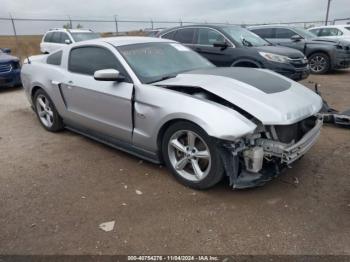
x,y
57,38
332,31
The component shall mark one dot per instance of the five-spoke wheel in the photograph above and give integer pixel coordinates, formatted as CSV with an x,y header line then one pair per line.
x,y
192,155
189,155
46,111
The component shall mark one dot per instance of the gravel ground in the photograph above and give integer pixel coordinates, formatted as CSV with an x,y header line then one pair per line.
x,y
56,189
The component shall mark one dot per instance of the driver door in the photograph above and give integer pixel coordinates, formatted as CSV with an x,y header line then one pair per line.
x,y
101,107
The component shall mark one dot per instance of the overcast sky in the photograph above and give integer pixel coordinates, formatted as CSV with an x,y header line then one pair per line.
x,y
232,11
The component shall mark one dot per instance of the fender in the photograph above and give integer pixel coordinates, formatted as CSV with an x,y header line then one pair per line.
x,y
245,60
217,120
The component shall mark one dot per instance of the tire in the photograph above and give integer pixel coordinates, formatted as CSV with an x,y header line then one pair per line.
x,y
46,112
319,63
183,157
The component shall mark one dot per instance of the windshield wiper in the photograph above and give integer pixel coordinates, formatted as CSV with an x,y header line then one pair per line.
x,y
162,78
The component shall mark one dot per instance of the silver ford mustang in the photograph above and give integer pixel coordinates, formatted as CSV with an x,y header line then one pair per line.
x,y
159,100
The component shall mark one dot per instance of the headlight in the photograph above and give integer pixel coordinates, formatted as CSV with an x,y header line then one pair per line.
x,y
274,57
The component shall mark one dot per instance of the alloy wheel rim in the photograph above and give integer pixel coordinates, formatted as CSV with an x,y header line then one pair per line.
x,y
318,63
44,110
189,155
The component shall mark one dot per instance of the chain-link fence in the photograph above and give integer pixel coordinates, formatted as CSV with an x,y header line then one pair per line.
x,y
23,35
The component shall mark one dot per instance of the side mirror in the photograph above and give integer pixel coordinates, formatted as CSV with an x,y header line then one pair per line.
x,y
109,75
296,38
67,41
6,50
222,45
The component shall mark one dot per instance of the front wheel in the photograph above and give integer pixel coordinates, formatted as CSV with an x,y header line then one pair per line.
x,y
192,155
46,112
319,63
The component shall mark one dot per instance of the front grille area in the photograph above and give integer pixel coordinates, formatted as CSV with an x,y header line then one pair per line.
x,y
4,68
299,63
288,133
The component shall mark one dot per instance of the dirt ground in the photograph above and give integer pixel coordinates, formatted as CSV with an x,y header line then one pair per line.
x,y
56,189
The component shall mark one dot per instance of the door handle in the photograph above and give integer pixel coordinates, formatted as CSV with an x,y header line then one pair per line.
x,y
198,49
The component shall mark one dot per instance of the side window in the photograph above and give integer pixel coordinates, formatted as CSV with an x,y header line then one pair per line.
x,y
48,37
264,32
284,33
185,35
55,59
64,37
87,60
170,35
330,32
315,31
208,36
56,37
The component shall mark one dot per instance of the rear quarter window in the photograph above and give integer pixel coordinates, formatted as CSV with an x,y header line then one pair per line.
x,y
54,59
170,35
48,37
315,31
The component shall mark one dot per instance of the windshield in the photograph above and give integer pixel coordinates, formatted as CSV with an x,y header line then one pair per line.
x,y
84,36
304,33
244,36
153,62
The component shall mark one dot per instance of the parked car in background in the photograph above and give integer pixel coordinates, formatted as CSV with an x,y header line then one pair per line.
x,y
324,54
9,69
161,101
153,32
332,31
237,47
58,37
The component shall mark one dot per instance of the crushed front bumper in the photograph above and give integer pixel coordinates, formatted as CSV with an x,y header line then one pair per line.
x,y
277,157
288,153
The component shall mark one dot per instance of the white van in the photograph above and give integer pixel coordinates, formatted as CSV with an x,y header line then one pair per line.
x,y
57,38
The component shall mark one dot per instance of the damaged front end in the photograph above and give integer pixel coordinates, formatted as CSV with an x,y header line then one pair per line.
x,y
253,160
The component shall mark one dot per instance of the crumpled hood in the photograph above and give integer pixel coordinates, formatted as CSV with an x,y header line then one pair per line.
x,y
268,96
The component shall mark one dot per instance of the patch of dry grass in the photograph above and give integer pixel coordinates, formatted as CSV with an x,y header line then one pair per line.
x,y
30,44
27,44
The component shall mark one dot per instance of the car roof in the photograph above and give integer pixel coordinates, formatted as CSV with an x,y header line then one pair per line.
x,y
271,26
214,26
329,26
70,30
127,40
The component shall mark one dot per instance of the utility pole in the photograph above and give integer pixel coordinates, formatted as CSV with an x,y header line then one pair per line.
x,y
116,25
328,5
16,37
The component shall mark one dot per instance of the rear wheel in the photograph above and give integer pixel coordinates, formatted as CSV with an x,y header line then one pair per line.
x,y
46,112
192,155
319,63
